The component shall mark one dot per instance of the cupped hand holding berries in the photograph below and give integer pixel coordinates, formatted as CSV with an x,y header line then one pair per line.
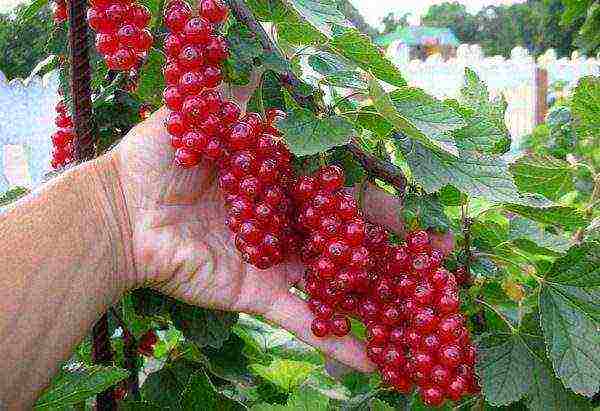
x,y
181,246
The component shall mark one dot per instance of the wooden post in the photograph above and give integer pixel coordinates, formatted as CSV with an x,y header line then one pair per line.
x,y
541,95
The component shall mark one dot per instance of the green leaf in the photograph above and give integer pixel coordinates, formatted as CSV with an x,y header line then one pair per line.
x,y
482,133
586,107
371,120
75,385
307,134
416,114
580,267
486,130
299,33
505,365
267,10
320,14
358,48
348,79
450,196
243,49
12,195
201,325
572,341
30,11
479,175
151,80
569,218
286,374
378,405
545,175
528,236
201,394
137,406
574,9
326,63
428,210
548,394
305,399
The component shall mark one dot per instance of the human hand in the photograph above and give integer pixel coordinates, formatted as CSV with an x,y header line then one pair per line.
x,y
181,246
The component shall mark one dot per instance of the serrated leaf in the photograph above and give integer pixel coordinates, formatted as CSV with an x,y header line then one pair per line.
x,y
586,107
580,267
307,134
585,298
482,133
299,33
545,175
75,385
305,399
418,115
572,341
479,175
201,394
358,48
428,210
548,394
286,374
505,365
201,325
487,131
267,10
569,218
528,236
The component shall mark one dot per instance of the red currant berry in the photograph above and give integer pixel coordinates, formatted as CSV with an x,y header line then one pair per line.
x,y
106,43
186,158
450,355
330,178
432,396
213,10
196,30
320,328
340,325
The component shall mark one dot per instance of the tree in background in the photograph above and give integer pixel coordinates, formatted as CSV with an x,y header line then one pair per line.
x,y
23,41
454,16
391,22
534,25
584,17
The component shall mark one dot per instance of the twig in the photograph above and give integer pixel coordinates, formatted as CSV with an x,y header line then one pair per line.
x,y
384,170
467,222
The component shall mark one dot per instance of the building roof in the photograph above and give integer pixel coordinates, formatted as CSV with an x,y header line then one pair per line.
x,y
419,35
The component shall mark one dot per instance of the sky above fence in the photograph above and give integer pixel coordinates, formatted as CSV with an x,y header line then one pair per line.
x,y
374,11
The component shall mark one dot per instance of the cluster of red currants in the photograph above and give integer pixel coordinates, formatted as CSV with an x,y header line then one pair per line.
x,y
199,117
61,11
122,34
333,249
62,139
254,166
415,332
255,176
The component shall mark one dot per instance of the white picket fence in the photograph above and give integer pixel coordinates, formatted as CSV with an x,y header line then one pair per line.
x,y
26,123
515,77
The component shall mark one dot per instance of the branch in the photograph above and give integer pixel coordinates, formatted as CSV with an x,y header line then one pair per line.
x,y
384,170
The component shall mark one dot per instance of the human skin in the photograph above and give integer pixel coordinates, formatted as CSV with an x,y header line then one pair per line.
x,y
128,219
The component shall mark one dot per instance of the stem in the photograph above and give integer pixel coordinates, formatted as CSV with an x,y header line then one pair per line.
x,y
381,169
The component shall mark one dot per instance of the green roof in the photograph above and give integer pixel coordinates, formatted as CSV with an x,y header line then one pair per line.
x,y
419,35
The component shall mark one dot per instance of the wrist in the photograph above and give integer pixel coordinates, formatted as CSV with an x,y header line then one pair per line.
x,y
106,194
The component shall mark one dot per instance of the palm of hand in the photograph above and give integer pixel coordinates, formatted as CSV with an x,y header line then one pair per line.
x,y
182,247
